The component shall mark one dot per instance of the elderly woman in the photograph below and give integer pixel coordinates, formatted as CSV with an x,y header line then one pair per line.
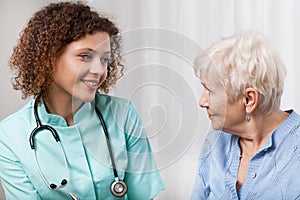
x,y
253,151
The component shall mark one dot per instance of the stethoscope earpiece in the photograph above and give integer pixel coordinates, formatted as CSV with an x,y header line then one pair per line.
x,y
53,186
62,184
118,188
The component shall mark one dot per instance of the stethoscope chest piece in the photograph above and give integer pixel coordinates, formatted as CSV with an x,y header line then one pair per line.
x,y
118,188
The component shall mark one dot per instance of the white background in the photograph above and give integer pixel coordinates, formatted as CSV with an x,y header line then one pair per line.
x,y
161,39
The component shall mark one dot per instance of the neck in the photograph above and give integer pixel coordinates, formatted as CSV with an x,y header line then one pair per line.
x,y
65,108
258,131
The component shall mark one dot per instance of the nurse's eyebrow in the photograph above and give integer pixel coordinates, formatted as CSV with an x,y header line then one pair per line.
x,y
93,51
87,49
107,52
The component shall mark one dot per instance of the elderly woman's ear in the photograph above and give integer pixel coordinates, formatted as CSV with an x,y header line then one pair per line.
x,y
250,99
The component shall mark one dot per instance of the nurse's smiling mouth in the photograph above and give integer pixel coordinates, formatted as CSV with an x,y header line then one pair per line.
x,y
91,83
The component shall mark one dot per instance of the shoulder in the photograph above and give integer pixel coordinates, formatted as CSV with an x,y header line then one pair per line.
x,y
103,99
23,115
117,109
294,116
107,103
15,130
215,141
291,124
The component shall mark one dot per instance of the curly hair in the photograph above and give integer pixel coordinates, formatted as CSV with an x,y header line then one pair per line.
x,y
47,34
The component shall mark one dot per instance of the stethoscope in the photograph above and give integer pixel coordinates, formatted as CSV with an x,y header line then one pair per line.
x,y
118,187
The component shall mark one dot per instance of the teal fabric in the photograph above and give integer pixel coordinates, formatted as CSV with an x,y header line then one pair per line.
x,y
90,171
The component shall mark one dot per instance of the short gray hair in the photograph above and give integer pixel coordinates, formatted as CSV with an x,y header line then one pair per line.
x,y
243,60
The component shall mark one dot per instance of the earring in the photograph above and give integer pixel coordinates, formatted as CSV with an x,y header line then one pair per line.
x,y
248,118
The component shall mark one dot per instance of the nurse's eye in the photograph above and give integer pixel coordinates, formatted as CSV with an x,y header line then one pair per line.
x,y
105,60
86,57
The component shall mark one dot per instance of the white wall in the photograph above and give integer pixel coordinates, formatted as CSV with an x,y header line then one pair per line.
x,y
161,39
13,16
170,148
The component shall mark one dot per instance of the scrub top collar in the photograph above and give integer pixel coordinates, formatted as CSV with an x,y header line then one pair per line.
x,y
58,121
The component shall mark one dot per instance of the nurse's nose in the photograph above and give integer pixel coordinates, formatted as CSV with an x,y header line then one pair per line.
x,y
99,66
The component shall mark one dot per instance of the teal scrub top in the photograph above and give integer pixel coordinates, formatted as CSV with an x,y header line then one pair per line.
x,y
89,164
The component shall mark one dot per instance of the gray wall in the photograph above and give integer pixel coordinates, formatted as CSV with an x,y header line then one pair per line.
x,y
14,15
210,25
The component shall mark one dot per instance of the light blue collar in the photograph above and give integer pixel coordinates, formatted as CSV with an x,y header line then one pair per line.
x,y
58,121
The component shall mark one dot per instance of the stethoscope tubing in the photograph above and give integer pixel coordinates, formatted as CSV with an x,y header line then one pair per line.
x,y
41,127
42,175
108,143
114,185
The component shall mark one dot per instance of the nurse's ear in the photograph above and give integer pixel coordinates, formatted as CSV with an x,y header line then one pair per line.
x,y
250,99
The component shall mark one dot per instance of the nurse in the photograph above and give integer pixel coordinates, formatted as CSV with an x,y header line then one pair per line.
x,y
68,54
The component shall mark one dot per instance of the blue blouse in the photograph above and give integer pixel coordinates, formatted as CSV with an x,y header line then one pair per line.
x,y
273,172
90,171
